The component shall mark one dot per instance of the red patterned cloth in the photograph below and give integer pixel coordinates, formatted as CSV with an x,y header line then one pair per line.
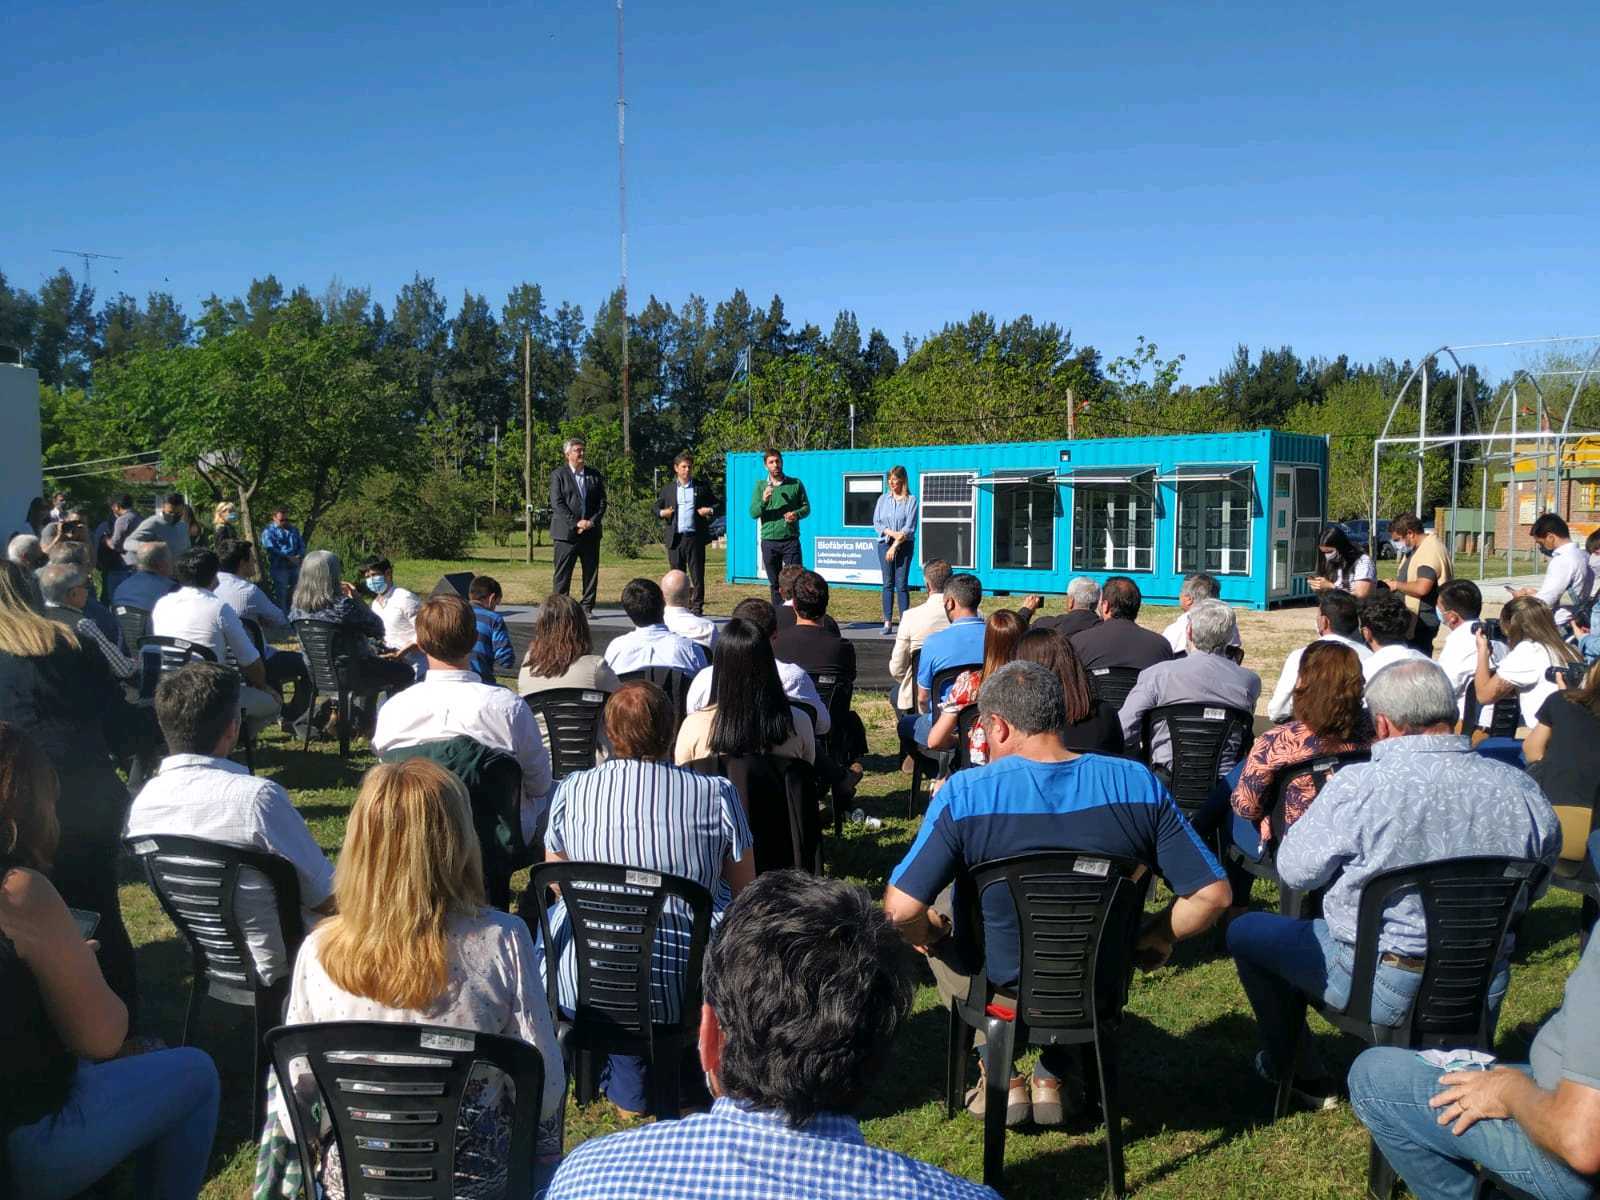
x,y
1279,747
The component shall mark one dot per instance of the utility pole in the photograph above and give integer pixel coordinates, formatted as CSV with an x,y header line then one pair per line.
x,y
87,255
527,445
494,487
622,221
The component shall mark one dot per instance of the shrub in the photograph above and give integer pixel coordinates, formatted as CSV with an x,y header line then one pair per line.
x,y
402,517
631,521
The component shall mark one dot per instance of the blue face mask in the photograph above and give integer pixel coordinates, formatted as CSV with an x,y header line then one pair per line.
x,y
1400,548
377,584
1546,553
233,518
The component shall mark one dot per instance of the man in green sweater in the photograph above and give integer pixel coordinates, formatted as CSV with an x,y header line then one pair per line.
x,y
779,503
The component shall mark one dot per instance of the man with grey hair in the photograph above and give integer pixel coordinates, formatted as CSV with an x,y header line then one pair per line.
x,y
77,554
1205,675
1197,585
1424,797
25,551
577,507
1037,795
66,588
1083,597
150,581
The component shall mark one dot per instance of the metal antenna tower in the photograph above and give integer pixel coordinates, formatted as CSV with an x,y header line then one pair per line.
x,y
622,221
86,255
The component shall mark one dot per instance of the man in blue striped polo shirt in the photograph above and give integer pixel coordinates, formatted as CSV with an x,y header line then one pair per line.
x,y
1036,795
493,648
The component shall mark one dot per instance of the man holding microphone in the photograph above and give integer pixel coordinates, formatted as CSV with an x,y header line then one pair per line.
x,y
780,504
686,507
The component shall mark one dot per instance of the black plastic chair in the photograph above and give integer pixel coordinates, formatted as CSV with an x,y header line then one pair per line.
x,y
1111,685
134,623
329,650
670,680
1198,735
934,764
780,799
836,690
1503,723
612,914
196,884
177,653
1077,919
1467,904
572,724
393,1093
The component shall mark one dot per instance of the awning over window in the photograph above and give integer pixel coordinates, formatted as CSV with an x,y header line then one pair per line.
x,y
1242,474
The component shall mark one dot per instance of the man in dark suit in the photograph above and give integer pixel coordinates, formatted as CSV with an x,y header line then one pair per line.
x,y
1083,597
577,506
686,506
1116,641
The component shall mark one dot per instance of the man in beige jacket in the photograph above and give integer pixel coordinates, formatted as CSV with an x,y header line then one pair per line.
x,y
915,626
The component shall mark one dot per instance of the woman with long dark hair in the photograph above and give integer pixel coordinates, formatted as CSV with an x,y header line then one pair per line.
x,y
751,714
1092,727
1343,565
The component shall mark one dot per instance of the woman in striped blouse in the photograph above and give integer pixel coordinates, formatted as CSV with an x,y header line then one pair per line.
x,y
638,810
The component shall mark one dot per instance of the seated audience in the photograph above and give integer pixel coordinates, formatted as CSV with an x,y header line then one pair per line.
x,y
199,792
1386,625
322,594
677,591
1116,641
1345,567
1092,727
809,643
451,701
1562,751
164,525
412,942
1460,605
1567,573
66,588
194,614
236,587
1001,633
1037,795
151,579
1535,1123
1205,675
959,644
751,714
59,693
1338,621
638,810
797,685
1588,641
915,626
1197,585
494,639
787,578
1083,598
1534,647
651,643
70,1110
78,555
559,655
1424,797
816,959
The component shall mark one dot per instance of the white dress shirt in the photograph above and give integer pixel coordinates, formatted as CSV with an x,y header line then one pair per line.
x,y
1524,666
397,609
654,646
1177,634
1281,706
196,615
1387,656
1459,658
246,599
1567,572
797,685
697,629
216,800
449,704
915,626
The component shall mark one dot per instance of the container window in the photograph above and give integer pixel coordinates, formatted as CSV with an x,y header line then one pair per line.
x,y
947,515
861,494
1213,528
1025,513
1307,519
1113,527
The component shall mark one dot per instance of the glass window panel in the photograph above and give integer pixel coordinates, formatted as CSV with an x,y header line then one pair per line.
x,y
1307,519
861,494
1113,528
1024,526
1213,528
948,513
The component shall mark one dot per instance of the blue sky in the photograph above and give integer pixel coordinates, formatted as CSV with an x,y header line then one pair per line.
x,y
1372,179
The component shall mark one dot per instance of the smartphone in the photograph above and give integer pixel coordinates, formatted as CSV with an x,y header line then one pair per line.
x,y
87,921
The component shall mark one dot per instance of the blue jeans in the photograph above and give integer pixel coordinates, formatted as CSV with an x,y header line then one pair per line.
x,y
896,578
1390,1089
160,1106
284,577
1277,955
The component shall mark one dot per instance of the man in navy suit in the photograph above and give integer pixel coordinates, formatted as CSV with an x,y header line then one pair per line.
x,y
686,506
577,506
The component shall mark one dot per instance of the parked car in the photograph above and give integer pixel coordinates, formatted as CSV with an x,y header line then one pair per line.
x,y
718,528
1357,528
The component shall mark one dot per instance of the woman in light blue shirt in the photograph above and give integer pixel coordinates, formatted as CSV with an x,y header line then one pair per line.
x,y
895,519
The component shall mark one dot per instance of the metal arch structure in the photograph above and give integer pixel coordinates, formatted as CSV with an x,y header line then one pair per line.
x,y
1457,441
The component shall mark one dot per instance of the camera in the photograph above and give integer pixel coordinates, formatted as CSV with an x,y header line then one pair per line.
x,y
1490,628
1567,675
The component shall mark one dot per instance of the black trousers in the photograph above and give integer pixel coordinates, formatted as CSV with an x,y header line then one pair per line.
x,y
775,556
585,549
287,667
687,553
1422,635
92,810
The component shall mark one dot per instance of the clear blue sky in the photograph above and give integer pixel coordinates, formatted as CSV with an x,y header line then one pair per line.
x,y
1370,179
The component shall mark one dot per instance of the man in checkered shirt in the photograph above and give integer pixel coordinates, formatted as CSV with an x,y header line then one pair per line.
x,y
803,996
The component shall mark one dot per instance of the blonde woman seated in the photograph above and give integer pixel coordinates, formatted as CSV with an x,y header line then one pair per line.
x,y
638,810
414,942
1535,647
751,713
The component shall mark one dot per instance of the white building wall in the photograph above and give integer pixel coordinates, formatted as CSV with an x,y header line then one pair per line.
x,y
20,479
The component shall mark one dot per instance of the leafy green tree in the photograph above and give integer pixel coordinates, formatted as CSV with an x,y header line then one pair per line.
x,y
798,403
64,329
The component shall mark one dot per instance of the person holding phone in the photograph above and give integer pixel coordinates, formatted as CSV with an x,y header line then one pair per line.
x,y
70,1110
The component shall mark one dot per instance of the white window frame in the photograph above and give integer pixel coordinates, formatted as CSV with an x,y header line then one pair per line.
x,y
971,520
844,507
1139,483
1242,485
1041,476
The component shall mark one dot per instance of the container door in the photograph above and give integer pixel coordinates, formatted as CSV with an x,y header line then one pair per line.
x,y
1282,527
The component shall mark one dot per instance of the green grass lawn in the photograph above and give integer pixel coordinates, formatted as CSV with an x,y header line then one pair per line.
x,y
1197,1121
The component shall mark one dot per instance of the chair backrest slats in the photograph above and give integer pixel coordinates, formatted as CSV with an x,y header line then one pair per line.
x,y
135,625
328,649
572,721
1198,736
1111,685
1317,770
674,682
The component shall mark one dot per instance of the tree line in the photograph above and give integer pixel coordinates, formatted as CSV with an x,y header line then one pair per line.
x,y
398,423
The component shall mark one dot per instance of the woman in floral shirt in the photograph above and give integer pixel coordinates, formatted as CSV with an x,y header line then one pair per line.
x,y
1000,638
